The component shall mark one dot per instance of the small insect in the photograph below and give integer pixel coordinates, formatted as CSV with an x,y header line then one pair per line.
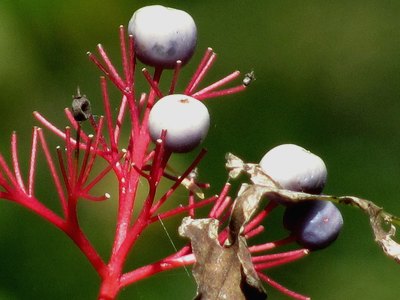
x,y
248,78
81,108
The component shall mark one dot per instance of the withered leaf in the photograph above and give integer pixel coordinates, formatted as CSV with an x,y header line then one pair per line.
x,y
220,272
379,219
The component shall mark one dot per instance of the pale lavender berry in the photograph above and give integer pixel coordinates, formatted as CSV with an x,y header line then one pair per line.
x,y
294,168
185,119
163,35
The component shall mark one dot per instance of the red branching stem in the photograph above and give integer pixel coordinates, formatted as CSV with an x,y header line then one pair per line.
x,y
278,256
38,208
153,84
261,216
271,245
128,189
196,74
217,84
75,124
178,182
254,232
220,93
15,162
157,267
53,172
182,209
107,108
175,76
8,172
32,162
79,238
221,198
113,74
103,173
281,288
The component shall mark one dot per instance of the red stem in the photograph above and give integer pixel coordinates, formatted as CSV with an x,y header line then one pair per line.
x,y
217,84
153,84
113,74
278,256
220,93
107,108
75,124
177,70
14,154
254,232
53,172
182,209
179,181
120,119
154,268
125,63
196,74
203,72
271,245
281,288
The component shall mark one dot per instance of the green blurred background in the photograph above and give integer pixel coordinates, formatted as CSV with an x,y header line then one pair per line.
x,y
328,75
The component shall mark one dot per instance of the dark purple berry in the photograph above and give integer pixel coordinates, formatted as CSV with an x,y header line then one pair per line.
x,y
315,224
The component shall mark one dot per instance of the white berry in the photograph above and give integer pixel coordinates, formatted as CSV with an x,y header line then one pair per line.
x,y
163,35
295,168
185,119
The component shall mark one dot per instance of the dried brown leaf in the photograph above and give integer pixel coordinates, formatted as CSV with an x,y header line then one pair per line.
x,y
220,272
